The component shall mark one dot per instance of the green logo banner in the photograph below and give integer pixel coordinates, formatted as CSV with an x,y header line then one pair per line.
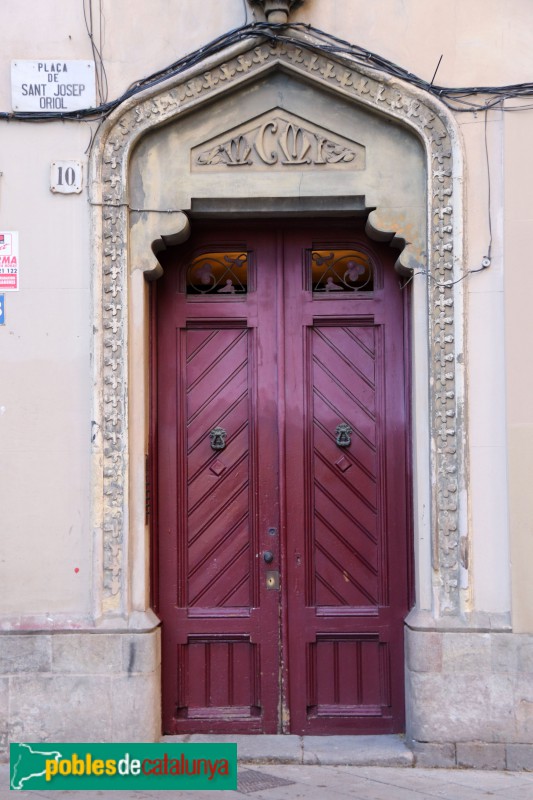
x,y
133,766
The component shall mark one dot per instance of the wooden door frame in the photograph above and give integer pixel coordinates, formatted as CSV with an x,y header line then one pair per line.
x,y
152,461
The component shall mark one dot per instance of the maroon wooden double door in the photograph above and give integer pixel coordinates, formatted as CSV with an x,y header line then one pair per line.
x,y
282,481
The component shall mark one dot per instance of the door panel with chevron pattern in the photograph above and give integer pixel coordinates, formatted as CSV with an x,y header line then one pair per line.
x,y
346,519
283,539
218,486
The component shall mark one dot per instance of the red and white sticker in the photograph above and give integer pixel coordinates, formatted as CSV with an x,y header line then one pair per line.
x,y
9,261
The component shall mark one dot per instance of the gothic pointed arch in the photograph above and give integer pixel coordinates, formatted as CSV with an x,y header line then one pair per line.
x,y
128,235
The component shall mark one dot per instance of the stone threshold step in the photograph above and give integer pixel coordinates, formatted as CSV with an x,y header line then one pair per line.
x,y
353,751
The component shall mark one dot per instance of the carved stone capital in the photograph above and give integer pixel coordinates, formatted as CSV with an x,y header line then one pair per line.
x,y
277,11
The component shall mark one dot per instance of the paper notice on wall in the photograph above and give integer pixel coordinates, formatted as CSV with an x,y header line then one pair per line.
x,y
9,261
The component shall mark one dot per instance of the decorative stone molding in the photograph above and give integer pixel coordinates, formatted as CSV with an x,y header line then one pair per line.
x,y
152,233
277,11
278,141
440,251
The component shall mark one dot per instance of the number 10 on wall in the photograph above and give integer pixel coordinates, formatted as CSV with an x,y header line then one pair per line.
x,y
66,177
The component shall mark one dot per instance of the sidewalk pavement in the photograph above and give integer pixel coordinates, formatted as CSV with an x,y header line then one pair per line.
x,y
313,782
325,768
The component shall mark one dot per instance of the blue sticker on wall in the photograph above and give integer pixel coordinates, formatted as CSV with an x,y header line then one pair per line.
x,y
2,310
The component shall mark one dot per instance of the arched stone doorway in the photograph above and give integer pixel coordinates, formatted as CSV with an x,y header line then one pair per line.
x,y
236,138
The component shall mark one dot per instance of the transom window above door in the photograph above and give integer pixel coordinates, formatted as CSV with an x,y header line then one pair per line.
x,y
330,269
223,272
342,269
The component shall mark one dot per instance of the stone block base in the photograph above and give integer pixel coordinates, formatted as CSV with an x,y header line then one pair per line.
x,y
469,694
79,687
469,698
473,755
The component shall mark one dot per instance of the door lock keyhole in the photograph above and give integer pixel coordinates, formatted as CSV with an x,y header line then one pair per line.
x,y
272,580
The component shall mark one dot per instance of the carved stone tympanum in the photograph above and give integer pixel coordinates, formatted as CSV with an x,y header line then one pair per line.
x,y
277,11
277,140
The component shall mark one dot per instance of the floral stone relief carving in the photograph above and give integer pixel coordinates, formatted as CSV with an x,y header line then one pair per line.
x,y
279,141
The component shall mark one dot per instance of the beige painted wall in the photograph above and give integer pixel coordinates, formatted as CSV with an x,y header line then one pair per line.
x,y
45,371
518,222
482,41
45,382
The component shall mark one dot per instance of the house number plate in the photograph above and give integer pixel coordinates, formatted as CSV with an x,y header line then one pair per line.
x,y
66,177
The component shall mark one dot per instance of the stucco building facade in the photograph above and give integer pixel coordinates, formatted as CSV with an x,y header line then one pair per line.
x,y
287,150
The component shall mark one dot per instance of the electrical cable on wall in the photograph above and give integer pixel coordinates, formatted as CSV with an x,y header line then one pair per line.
x,y
455,98
100,72
486,260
